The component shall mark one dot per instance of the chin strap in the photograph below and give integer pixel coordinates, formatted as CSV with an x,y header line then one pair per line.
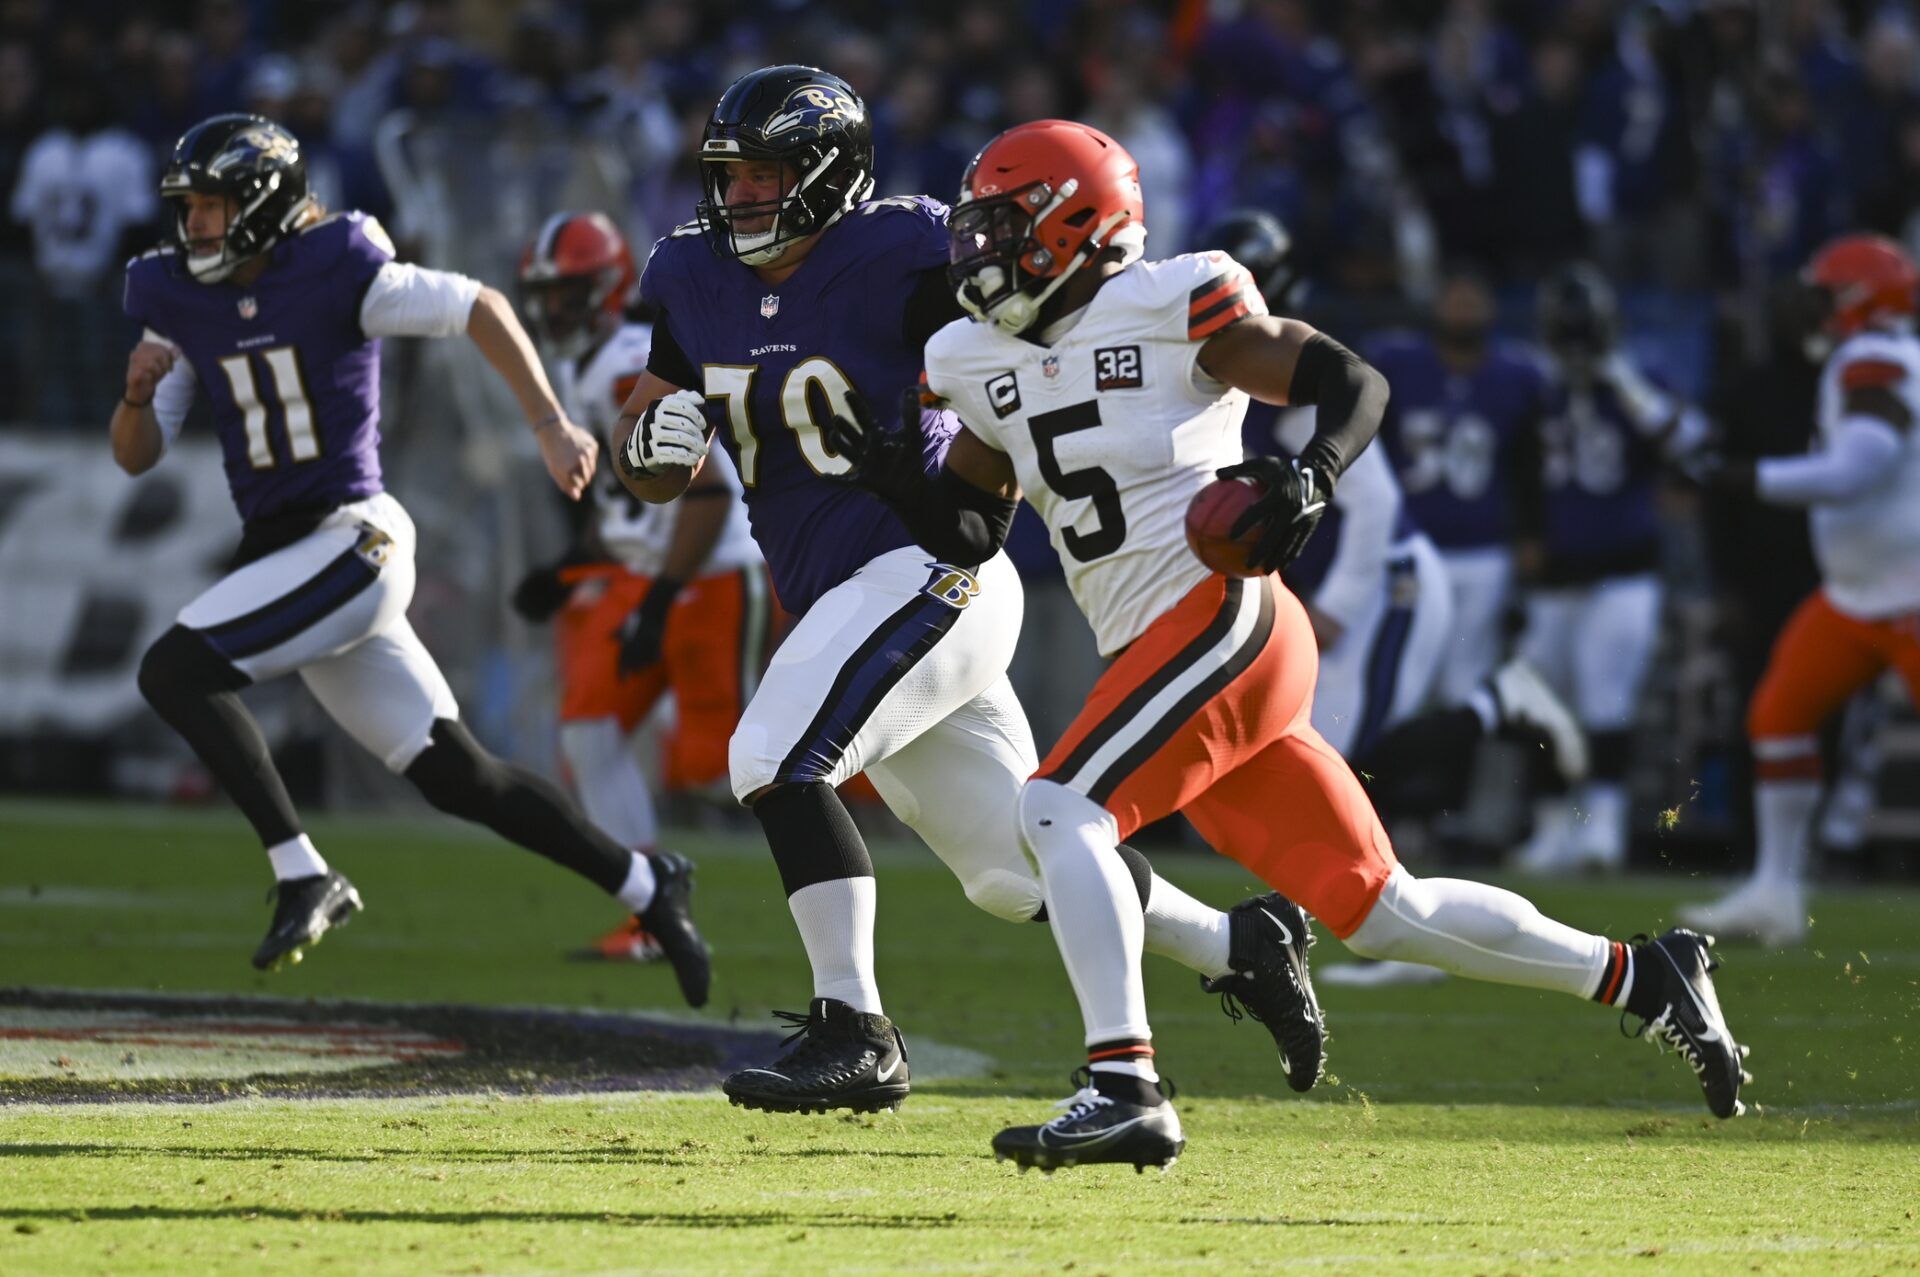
x,y
1018,311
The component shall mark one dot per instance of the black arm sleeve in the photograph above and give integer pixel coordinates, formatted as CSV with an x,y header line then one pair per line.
x,y
667,361
1351,395
954,521
931,308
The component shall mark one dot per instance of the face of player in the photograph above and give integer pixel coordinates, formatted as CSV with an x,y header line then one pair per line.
x,y
205,223
1463,316
751,182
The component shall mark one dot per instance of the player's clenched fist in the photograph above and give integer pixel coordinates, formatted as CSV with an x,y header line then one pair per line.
x,y
149,362
570,454
672,432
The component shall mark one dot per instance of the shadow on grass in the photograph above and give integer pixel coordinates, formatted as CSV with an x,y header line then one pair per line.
x,y
469,1218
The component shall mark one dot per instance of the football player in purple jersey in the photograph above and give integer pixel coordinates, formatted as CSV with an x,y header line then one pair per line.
x,y
274,310
792,298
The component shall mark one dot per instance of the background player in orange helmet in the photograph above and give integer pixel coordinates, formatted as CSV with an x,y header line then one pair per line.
x,y
1862,486
1110,391
648,598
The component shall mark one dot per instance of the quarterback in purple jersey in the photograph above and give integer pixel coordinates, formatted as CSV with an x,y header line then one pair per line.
x,y
793,298
275,310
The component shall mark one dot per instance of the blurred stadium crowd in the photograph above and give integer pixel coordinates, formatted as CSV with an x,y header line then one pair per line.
x,y
1697,150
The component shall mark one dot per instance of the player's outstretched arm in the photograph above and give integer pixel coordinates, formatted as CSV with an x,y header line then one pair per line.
x,y
961,515
569,451
135,428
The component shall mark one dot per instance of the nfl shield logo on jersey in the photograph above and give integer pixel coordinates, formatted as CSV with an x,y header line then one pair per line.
x,y
249,308
1050,366
769,306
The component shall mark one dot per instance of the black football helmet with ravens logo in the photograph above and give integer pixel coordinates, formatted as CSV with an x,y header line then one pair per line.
x,y
253,162
1258,241
800,116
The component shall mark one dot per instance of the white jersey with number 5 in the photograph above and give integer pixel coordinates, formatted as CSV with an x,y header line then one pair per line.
x,y
1112,428
594,390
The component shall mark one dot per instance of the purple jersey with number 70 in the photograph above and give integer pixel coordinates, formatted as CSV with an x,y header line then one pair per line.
x,y
775,362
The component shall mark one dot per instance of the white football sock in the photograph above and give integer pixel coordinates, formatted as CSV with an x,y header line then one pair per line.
x,y
1093,906
636,893
1783,814
607,777
1480,932
836,926
295,858
1191,933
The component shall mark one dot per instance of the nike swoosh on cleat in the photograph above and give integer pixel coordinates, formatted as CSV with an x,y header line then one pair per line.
x,y
881,1075
1095,1139
1286,936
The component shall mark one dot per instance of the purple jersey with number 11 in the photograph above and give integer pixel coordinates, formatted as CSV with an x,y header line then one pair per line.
x,y
293,382
775,363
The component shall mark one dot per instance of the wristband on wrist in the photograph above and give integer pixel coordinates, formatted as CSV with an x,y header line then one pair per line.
x,y
131,404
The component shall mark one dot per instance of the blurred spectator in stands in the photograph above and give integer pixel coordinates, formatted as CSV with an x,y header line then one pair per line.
x,y
1635,167
1780,187
632,110
227,55
168,104
1815,36
1123,106
85,185
1895,204
1538,210
918,147
1873,119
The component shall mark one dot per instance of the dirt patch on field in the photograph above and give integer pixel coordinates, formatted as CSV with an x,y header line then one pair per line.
x,y
73,1046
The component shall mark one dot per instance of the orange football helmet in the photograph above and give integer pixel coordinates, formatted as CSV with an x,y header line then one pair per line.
x,y
1039,202
1866,280
577,279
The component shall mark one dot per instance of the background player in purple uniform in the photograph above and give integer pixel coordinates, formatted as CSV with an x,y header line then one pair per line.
x,y
1461,431
275,310
790,298
1593,613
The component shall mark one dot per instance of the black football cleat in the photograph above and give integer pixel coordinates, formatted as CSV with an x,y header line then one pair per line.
x,y
1267,946
1689,1020
838,1058
307,909
669,920
1096,1128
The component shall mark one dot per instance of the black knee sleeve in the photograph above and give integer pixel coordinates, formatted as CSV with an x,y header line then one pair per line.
x,y
1612,753
461,778
182,664
1136,862
811,835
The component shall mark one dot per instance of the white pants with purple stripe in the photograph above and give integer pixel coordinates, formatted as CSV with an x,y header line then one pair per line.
x,y
900,672
332,607
1381,669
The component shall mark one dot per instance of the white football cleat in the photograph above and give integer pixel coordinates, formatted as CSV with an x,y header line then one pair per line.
x,y
1597,843
1525,701
1768,913
1549,852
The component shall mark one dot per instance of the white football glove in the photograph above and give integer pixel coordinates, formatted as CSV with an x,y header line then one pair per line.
x,y
672,432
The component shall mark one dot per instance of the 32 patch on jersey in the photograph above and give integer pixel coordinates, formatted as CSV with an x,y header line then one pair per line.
x,y
1116,368
1003,392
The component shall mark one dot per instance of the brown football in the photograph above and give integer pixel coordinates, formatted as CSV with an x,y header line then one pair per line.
x,y
1210,519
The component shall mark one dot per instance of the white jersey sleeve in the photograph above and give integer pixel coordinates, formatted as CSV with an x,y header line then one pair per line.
x,y
1868,544
1112,428
1368,498
405,300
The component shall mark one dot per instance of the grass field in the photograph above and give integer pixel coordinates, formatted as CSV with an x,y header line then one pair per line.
x,y
1467,1129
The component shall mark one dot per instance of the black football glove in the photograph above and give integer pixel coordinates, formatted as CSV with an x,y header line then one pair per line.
x,y
1287,512
643,634
540,594
886,462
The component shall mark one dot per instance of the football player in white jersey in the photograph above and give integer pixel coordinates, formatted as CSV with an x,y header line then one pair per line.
x,y
1862,486
649,599
1109,391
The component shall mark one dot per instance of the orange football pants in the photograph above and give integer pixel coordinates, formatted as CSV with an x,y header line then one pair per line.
x,y
1822,657
1209,713
719,635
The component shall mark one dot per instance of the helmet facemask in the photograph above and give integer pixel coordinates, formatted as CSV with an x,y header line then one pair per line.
x,y
823,192
997,265
568,310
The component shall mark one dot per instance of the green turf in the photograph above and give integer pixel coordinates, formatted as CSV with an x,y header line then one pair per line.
x,y
1470,1129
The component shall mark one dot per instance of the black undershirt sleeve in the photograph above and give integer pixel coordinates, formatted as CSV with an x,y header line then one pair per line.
x,y
1351,396
954,521
931,307
667,361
